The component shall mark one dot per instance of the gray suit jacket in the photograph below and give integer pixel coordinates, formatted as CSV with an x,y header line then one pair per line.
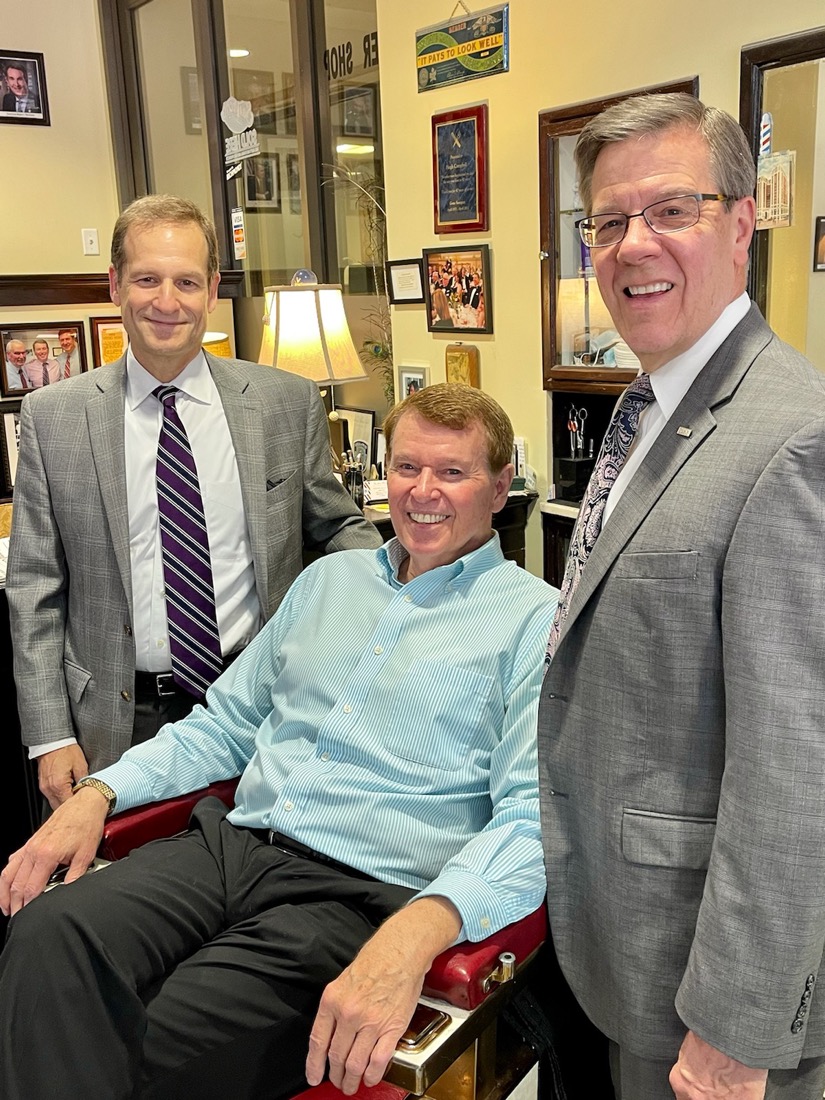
x,y
69,575
682,727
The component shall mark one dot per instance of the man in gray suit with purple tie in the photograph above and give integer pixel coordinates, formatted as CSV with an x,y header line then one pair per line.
x,y
682,723
94,657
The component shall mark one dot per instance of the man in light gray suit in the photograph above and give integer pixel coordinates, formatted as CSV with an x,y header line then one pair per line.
x,y
682,724
85,572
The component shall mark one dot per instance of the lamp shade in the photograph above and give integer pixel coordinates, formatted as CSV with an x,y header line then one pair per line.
x,y
306,332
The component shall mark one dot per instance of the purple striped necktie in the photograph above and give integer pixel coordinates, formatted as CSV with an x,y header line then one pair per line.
x,y
621,432
190,596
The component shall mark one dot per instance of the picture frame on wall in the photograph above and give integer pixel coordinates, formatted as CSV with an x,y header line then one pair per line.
x,y
109,340
459,148
257,87
411,380
23,97
262,182
359,111
191,97
405,281
11,447
293,182
35,354
458,289
819,244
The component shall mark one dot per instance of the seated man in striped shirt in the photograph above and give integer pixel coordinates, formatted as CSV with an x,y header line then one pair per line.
x,y
383,724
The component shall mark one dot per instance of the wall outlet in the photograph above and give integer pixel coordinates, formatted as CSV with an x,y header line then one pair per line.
x,y
91,244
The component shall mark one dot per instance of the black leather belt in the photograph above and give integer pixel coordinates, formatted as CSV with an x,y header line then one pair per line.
x,y
161,685
296,848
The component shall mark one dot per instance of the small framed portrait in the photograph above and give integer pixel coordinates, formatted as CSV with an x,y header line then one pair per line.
x,y
41,354
359,112
262,182
411,380
819,245
458,289
293,183
405,281
109,340
23,97
258,88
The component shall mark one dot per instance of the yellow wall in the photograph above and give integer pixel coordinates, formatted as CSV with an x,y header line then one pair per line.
x,y
559,53
56,180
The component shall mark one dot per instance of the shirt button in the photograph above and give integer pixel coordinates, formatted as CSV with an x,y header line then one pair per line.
x,y
161,644
289,806
125,695
325,756
408,599
347,708
485,922
379,649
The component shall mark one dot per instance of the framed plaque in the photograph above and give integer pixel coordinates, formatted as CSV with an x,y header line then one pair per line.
x,y
460,170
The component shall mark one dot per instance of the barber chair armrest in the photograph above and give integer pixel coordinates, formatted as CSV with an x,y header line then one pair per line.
x,y
465,975
133,828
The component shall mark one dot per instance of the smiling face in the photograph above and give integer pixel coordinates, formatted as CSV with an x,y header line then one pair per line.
x,y
441,491
41,350
16,351
17,82
165,295
665,291
67,341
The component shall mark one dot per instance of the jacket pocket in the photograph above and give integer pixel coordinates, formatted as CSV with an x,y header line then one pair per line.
x,y
76,680
658,565
665,840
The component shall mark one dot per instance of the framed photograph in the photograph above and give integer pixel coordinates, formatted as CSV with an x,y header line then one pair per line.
x,y
190,93
40,354
405,281
293,183
23,97
287,119
262,182
359,112
258,88
379,452
457,288
411,380
358,426
819,245
11,446
109,340
460,170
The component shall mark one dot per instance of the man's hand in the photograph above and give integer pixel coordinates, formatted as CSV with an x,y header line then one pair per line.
x,y
704,1073
58,771
70,836
365,1011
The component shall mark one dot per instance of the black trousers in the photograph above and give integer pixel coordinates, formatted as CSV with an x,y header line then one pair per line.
x,y
202,956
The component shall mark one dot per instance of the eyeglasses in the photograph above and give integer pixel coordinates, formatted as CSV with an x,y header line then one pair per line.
x,y
666,216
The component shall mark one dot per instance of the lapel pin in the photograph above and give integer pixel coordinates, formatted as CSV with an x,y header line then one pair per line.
x,y
686,432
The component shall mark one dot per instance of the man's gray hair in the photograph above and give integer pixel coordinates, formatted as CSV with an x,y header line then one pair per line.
x,y
731,160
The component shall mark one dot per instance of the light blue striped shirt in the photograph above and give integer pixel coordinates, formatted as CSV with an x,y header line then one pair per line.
x,y
391,726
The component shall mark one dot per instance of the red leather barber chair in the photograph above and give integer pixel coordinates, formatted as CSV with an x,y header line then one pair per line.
x,y
467,1056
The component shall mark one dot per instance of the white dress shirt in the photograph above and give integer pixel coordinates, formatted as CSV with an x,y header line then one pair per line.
x,y
670,383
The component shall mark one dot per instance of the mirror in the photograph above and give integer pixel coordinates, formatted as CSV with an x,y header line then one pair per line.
x,y
786,77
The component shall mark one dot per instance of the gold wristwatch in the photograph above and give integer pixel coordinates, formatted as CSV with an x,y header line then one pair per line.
x,y
99,785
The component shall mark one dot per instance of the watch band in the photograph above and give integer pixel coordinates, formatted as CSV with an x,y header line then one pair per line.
x,y
99,785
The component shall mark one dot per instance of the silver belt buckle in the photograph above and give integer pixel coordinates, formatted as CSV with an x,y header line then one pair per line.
x,y
165,684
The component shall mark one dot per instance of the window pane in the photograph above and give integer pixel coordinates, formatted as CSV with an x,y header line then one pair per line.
x,y
177,151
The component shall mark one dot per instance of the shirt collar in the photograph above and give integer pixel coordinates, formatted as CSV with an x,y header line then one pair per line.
x,y
393,554
195,380
672,380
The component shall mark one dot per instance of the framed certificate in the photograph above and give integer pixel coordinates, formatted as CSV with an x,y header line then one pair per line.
x,y
460,170
405,281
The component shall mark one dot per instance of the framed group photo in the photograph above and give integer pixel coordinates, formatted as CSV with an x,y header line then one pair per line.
x,y
41,354
457,288
23,97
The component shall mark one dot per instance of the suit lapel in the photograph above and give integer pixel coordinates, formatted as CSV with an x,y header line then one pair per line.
x,y
715,384
104,418
245,420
